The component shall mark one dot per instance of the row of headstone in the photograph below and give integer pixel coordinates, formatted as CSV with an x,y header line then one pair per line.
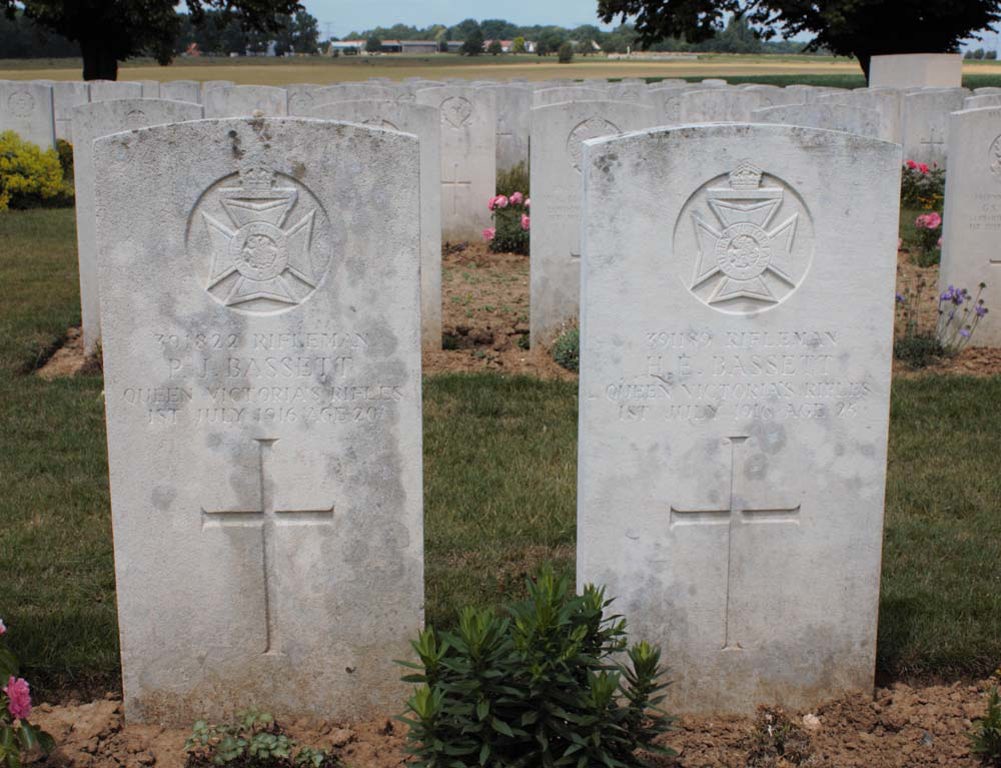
x,y
261,312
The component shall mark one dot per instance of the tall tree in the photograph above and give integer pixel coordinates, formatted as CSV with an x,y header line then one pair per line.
x,y
473,46
860,28
110,31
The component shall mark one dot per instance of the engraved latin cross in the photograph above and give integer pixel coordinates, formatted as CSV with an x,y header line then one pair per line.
x,y
737,512
454,186
267,518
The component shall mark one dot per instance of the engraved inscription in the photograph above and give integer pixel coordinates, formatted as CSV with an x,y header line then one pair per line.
x,y
736,513
750,242
21,103
456,112
265,240
268,520
592,128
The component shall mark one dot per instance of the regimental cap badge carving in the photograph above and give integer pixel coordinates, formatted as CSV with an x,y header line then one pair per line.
x,y
994,158
753,241
260,236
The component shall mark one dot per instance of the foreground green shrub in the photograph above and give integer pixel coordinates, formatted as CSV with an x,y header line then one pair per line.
x,y
540,686
513,180
29,177
255,740
986,740
18,737
922,186
65,151
566,349
512,222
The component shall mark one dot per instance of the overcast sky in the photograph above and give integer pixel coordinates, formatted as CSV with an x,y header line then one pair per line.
x,y
346,16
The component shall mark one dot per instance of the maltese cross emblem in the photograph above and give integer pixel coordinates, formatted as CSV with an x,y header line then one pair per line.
x,y
745,254
260,254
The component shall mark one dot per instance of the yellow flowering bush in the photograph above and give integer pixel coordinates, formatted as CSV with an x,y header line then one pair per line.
x,y
29,176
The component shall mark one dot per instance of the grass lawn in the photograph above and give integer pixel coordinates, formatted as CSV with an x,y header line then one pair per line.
x,y
499,493
737,68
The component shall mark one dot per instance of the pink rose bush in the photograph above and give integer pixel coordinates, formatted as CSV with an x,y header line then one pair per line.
x,y
17,736
929,231
509,234
922,186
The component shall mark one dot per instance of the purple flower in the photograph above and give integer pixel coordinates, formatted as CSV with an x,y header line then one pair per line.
x,y
981,310
900,298
965,333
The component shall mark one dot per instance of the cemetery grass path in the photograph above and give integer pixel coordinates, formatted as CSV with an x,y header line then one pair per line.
x,y
500,476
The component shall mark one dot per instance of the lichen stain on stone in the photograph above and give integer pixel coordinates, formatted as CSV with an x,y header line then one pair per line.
x,y
238,151
298,170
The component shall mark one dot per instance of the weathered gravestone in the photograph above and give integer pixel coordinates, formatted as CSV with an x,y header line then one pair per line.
x,y
468,119
359,92
736,334
423,122
182,90
67,94
886,102
27,109
108,90
91,121
971,228
513,105
557,135
301,99
245,100
260,305
720,105
981,101
922,70
559,94
925,124
833,117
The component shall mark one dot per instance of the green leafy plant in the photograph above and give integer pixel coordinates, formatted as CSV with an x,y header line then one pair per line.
x,y
255,740
18,737
29,176
929,231
65,151
958,312
566,349
565,53
986,737
514,179
540,685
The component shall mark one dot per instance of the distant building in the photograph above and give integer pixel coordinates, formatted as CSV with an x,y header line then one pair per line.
x,y
347,46
418,46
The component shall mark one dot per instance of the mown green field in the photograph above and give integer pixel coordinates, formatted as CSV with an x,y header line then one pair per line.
x,y
500,480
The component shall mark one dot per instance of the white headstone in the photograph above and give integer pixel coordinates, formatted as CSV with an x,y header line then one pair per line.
x,y
982,100
924,70
513,105
971,228
208,85
301,99
719,105
151,89
423,122
91,121
358,92
246,100
560,94
736,334
557,135
27,109
886,102
260,305
468,157
925,126
67,94
182,90
833,117
107,90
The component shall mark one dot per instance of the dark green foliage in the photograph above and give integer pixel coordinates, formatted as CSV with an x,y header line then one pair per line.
x,y
255,740
844,27
513,180
565,53
495,48
922,186
986,738
373,45
536,687
473,45
918,351
566,349
65,151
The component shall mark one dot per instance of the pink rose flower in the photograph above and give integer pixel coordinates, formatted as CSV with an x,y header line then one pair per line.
x,y
517,198
500,201
912,165
489,233
3,628
491,203
19,694
940,242
528,202
923,167
526,222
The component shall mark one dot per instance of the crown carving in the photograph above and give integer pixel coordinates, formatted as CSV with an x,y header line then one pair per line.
x,y
745,176
257,179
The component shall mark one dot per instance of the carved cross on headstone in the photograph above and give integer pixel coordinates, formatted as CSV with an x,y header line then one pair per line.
x,y
737,512
454,186
934,138
267,518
